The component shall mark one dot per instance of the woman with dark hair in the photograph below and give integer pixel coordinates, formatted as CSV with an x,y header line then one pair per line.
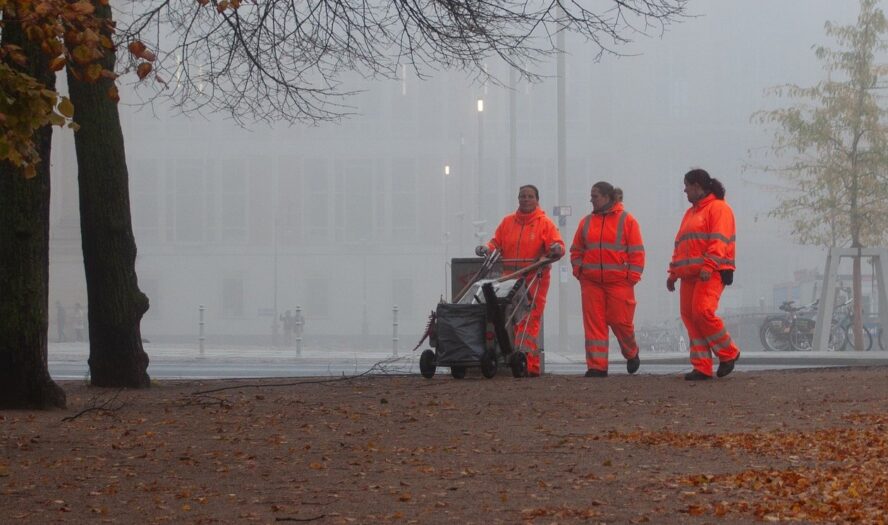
x,y
607,255
523,237
704,261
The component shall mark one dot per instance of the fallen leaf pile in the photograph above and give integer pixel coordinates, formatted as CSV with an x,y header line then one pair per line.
x,y
836,474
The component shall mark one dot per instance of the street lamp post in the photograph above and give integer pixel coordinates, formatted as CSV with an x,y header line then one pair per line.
x,y
480,106
275,327
562,178
445,233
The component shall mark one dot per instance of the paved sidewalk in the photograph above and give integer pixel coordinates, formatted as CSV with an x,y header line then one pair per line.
x,y
69,361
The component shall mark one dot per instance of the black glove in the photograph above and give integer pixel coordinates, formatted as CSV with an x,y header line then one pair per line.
x,y
556,251
482,250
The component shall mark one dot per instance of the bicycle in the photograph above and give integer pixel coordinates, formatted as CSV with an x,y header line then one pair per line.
x,y
775,330
661,338
794,330
846,320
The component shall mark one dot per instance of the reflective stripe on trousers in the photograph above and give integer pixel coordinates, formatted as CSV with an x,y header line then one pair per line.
x,y
527,330
608,305
706,331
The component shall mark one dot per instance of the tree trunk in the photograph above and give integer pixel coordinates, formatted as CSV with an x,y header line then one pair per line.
x,y
116,305
857,310
24,263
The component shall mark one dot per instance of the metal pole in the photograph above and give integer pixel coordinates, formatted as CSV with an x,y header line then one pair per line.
x,y
513,137
300,322
395,331
480,156
200,329
275,328
445,233
562,181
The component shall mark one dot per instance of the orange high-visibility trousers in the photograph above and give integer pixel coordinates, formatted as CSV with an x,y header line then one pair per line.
x,y
527,330
608,305
706,331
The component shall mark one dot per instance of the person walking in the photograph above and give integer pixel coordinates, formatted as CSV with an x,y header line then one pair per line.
x,y
607,256
703,260
79,322
287,324
60,321
522,238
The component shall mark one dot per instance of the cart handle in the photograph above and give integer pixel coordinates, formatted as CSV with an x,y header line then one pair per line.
x,y
542,261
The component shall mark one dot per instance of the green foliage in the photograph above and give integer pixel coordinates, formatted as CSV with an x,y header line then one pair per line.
x,y
832,144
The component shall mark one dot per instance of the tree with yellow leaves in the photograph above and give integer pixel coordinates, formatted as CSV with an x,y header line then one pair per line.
x,y
832,145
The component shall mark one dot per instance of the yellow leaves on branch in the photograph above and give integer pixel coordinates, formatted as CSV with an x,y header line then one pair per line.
x,y
139,50
143,69
223,5
82,8
69,33
26,107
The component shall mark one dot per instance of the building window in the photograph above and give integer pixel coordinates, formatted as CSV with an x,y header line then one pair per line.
x,y
145,199
232,297
355,200
403,200
317,297
234,202
151,288
402,297
289,209
317,196
189,201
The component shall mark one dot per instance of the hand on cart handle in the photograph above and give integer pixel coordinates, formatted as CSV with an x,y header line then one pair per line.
x,y
482,250
556,251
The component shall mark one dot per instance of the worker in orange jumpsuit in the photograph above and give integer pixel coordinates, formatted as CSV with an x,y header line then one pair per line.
x,y
607,256
704,261
523,237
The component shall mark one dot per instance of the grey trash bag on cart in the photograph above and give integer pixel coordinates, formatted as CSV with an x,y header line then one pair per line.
x,y
460,331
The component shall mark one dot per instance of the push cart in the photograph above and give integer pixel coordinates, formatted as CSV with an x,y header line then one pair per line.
x,y
477,329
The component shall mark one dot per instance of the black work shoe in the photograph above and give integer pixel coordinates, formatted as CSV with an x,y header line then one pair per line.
x,y
633,364
726,367
596,373
696,375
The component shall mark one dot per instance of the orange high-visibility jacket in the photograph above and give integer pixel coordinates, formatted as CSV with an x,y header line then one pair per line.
x,y
525,236
705,239
607,247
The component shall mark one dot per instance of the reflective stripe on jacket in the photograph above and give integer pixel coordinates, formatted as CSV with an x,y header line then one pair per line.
x,y
705,239
607,247
525,236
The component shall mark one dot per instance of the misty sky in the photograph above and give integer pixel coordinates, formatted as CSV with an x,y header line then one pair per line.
x,y
639,121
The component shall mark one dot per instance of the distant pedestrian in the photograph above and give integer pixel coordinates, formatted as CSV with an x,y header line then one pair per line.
x,y
79,322
60,321
704,261
288,325
298,322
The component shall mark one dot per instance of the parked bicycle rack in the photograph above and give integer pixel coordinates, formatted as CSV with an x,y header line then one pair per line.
x,y
828,293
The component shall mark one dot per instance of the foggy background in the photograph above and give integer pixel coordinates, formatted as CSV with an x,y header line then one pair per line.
x,y
347,220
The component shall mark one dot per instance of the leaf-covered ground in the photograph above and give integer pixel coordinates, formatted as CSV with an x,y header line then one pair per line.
x,y
807,446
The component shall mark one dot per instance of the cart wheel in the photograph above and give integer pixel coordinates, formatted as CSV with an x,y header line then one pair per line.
x,y
518,364
488,364
427,364
458,372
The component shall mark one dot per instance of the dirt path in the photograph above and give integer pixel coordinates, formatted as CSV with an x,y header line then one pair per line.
x,y
809,445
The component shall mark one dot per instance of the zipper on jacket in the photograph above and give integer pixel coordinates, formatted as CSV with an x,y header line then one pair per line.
x,y
518,246
600,238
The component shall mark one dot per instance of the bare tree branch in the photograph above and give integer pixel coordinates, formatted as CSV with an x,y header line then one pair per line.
x,y
282,60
